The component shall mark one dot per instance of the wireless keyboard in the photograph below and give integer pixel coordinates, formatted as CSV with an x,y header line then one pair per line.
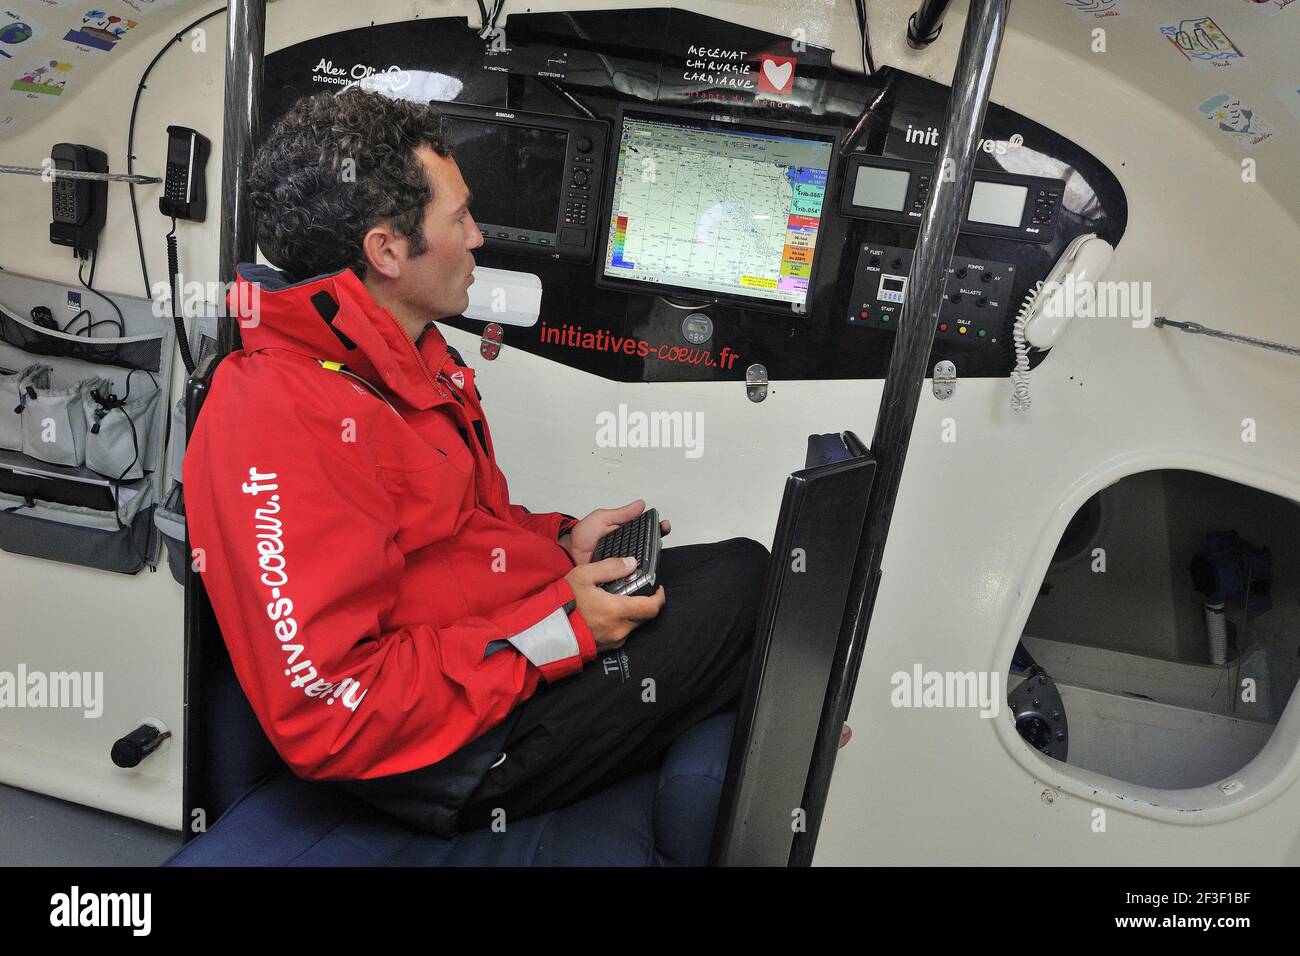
x,y
639,538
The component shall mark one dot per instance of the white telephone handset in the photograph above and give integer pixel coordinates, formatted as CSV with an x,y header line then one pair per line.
x,y
1047,309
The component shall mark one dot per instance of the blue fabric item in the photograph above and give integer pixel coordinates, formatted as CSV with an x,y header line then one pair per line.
x,y
648,819
690,788
238,755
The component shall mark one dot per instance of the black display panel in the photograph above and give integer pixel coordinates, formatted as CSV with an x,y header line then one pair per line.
x,y
712,208
482,148
535,178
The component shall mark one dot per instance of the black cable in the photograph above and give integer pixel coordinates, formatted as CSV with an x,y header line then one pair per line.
x,y
92,325
77,316
568,97
868,62
869,113
178,314
577,29
116,483
121,322
90,284
130,138
482,20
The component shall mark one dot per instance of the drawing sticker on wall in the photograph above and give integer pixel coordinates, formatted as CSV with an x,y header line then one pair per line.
x,y
1203,43
1243,124
48,79
1290,95
18,31
99,31
1269,7
1096,9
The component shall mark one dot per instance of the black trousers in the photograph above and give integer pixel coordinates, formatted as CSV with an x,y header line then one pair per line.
x,y
618,715
624,710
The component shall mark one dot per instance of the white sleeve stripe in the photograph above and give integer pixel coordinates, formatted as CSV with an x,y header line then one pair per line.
x,y
549,640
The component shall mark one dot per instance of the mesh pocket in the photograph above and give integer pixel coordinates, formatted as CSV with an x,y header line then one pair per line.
x,y
54,422
142,352
12,399
118,429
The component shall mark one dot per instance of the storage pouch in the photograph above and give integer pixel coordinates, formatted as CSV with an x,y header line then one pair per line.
x,y
117,429
169,519
54,422
12,400
75,535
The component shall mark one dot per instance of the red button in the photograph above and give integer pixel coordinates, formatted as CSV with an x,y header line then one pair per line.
x,y
864,315
943,326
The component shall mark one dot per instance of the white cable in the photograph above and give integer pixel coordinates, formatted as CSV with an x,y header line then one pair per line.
x,y
1020,375
1216,625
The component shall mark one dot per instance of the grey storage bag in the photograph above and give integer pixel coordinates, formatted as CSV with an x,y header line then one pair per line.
x,y
117,428
169,519
54,422
13,398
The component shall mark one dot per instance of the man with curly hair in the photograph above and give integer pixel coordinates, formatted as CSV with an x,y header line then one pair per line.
x,y
397,623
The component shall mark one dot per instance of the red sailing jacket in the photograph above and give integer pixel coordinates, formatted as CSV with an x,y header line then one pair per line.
x,y
383,601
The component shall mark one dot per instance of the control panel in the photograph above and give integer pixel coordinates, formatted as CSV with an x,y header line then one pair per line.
x,y
976,304
1002,205
578,191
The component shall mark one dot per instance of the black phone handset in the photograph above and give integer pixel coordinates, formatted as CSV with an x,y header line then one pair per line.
x,y
183,194
79,205
183,198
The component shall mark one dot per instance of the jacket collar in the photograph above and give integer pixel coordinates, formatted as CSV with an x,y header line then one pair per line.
x,y
335,318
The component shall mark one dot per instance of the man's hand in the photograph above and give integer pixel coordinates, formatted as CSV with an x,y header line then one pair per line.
x,y
581,539
610,617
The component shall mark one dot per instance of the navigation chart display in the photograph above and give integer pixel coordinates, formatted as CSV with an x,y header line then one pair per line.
x,y
715,209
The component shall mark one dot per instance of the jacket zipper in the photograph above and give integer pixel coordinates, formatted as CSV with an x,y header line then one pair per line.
x,y
419,359
424,366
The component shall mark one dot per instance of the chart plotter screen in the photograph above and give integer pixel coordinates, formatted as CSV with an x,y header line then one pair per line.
x,y
700,206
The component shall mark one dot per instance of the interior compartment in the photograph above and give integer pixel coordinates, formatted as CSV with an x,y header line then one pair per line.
x,y
1121,628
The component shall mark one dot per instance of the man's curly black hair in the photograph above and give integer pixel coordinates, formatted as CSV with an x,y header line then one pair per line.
x,y
333,167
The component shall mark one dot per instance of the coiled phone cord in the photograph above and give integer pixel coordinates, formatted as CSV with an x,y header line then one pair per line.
x,y
1020,375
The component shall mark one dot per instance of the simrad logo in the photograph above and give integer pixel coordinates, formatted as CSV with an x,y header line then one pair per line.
x,y
75,908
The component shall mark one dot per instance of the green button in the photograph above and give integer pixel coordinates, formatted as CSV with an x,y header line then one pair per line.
x,y
884,318
982,333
